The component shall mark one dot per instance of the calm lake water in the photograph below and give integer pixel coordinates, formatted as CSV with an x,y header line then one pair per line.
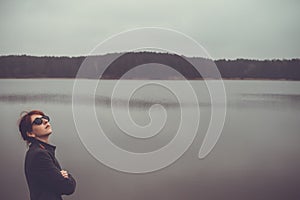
x,y
256,157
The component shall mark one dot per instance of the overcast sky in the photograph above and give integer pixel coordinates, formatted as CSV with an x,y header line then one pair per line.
x,y
262,29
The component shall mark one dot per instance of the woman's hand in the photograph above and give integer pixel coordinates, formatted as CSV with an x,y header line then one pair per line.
x,y
64,173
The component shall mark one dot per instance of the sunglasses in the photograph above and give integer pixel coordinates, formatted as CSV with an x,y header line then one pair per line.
x,y
39,120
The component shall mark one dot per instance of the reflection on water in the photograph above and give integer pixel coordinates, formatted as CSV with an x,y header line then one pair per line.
x,y
242,99
257,156
85,100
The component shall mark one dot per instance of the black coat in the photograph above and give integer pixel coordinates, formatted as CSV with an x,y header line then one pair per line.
x,y
43,175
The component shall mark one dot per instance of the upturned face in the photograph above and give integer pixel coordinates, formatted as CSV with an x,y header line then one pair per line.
x,y
40,130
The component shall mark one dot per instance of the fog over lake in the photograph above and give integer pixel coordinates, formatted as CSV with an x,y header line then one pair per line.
x,y
256,157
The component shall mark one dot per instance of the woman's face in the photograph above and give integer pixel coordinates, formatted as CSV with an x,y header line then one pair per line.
x,y
40,130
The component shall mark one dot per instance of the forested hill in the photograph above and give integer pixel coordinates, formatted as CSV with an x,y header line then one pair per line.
x,y
66,67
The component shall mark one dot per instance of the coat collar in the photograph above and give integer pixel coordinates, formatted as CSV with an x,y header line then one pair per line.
x,y
43,145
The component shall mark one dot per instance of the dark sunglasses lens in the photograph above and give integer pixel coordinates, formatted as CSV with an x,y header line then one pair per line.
x,y
46,118
38,121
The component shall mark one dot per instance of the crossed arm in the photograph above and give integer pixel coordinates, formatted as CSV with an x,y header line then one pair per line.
x,y
48,174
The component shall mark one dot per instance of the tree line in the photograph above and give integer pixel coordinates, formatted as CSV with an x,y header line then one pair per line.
x,y
24,66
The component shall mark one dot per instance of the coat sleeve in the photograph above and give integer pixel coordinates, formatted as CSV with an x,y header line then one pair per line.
x,y
46,173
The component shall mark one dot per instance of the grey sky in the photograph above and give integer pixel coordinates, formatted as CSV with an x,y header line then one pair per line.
x,y
226,29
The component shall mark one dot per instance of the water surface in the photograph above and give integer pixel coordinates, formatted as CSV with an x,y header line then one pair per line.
x,y
257,156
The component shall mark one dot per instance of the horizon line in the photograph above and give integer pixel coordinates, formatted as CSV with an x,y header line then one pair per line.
x,y
215,59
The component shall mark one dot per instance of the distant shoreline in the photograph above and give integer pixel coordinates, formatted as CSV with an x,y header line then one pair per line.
x,y
224,79
31,67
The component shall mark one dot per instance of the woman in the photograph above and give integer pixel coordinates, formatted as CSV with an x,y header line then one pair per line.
x,y
45,178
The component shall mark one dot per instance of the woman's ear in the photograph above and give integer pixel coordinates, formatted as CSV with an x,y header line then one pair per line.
x,y
30,134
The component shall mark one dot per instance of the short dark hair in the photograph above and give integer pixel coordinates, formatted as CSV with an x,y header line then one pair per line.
x,y
25,123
